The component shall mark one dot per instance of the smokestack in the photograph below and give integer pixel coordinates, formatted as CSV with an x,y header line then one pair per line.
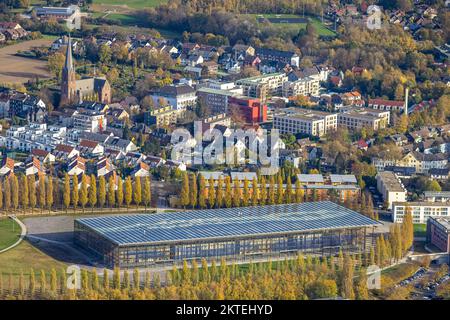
x,y
406,100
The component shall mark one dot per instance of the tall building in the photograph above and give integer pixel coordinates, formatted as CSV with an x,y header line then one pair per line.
x,y
73,90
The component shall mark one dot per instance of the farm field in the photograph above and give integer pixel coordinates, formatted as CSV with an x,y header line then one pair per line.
x,y
16,69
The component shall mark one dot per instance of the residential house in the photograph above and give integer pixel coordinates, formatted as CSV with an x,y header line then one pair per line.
x,y
65,152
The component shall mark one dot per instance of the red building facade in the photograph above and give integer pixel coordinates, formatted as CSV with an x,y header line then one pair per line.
x,y
252,109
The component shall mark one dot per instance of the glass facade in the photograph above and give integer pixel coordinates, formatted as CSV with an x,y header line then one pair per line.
x,y
355,240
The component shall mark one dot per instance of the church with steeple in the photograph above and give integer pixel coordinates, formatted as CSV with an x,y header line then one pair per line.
x,y
75,91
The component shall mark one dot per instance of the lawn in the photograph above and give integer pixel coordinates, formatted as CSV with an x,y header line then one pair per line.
x,y
135,4
9,232
420,230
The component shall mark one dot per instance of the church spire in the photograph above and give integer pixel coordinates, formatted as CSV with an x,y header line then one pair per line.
x,y
68,65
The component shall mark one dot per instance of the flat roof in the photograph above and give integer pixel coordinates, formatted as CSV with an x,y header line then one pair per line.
x,y
391,181
304,177
437,194
444,222
225,223
343,178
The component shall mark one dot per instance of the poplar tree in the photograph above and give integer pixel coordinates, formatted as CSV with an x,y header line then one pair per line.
x,y
236,193
112,192
49,194
24,196
219,193
280,194
6,194
137,191
228,194
201,192
288,194
84,191
119,196
184,195
193,191
245,193
116,278
407,230
101,191
362,292
105,279
255,192
32,191
32,284
211,193
128,191
271,199
347,291
53,281
15,191
93,192
66,193
94,281
147,193
75,192
136,279
42,197
263,192
298,192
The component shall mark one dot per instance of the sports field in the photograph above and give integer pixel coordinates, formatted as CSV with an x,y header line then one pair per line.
x,y
130,4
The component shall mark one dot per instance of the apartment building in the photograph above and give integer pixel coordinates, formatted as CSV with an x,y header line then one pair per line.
x,y
88,120
263,86
386,105
164,116
390,187
360,118
306,87
178,96
421,211
217,99
33,136
311,122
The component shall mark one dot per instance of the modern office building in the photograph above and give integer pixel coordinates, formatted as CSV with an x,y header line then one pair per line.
x,y
438,232
420,211
364,118
321,228
311,122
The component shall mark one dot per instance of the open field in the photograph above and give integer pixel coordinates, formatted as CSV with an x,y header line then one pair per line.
x,y
9,232
292,22
121,5
14,69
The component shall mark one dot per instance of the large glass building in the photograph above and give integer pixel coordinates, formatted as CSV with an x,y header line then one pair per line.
x,y
143,240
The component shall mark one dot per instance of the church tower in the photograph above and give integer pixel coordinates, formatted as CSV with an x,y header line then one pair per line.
x,y
68,83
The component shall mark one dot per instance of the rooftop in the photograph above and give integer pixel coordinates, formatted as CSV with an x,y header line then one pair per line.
x,y
225,223
443,222
391,181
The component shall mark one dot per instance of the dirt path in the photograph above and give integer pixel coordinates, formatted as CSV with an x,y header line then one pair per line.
x,y
14,69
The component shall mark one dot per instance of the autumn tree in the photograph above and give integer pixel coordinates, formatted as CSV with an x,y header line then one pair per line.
x,y
219,193
137,191
236,193
228,193
75,194
211,193
84,191
201,192
6,194
15,191
24,196
128,191
49,193
185,192
119,195
93,192
66,195
147,192
112,191
193,191
101,191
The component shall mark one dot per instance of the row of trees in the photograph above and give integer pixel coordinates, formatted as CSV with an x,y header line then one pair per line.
x,y
197,192
301,278
48,192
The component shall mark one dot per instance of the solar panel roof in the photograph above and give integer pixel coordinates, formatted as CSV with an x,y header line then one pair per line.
x,y
225,223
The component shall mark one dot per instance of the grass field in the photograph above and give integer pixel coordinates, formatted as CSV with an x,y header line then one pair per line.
x,y
420,230
322,30
9,232
134,4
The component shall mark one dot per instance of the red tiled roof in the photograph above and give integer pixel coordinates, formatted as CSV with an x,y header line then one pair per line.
x,y
386,102
88,144
39,153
